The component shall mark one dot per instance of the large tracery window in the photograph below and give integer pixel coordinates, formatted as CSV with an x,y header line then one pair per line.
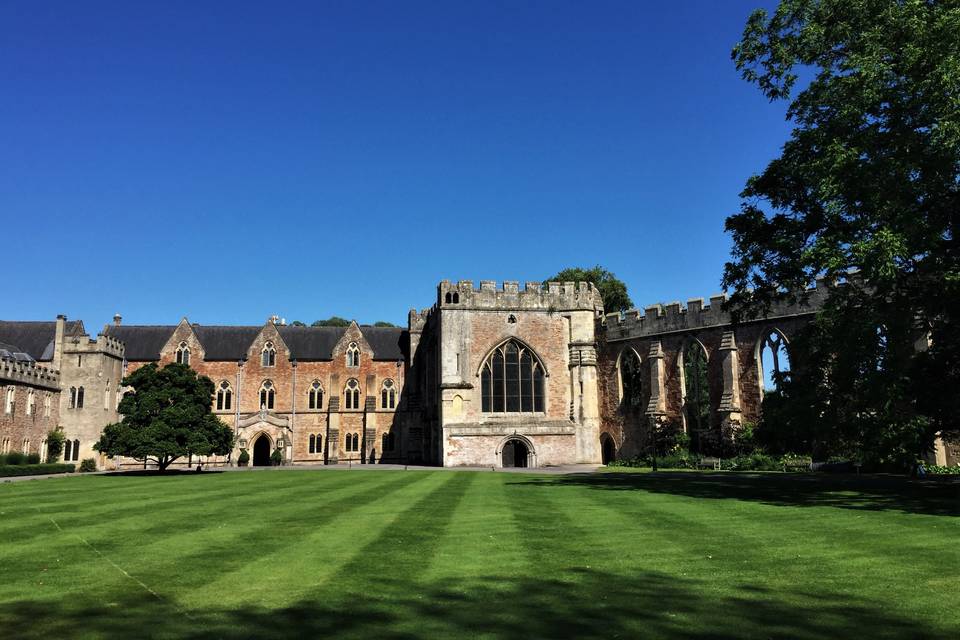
x,y
315,395
774,361
268,357
351,394
267,394
224,396
696,393
183,353
511,380
631,389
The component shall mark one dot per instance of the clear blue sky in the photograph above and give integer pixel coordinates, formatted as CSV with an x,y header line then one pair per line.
x,y
227,161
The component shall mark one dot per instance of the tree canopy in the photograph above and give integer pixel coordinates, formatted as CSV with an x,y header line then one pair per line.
x,y
332,321
167,416
865,192
612,290
383,323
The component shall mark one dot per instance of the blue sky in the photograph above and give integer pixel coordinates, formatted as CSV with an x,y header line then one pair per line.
x,y
227,161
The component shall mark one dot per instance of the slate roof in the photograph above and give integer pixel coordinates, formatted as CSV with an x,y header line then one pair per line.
x,y
142,342
13,352
35,338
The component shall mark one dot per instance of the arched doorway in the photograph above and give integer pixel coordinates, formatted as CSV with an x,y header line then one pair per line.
x,y
515,453
261,451
608,451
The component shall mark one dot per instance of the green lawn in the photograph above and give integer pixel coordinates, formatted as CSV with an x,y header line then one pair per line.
x,y
394,554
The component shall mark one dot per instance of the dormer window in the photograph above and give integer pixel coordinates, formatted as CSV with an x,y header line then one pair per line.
x,y
183,354
268,357
353,355
267,395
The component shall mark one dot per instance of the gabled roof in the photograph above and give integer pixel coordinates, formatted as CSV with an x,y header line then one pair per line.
x,y
142,342
311,343
225,342
388,343
36,338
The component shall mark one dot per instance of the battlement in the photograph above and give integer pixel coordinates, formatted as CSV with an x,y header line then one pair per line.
x,y
30,373
535,296
673,317
103,344
417,320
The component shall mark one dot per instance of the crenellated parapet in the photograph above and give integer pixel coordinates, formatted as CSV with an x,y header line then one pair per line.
x,y
30,373
102,344
417,320
662,319
535,296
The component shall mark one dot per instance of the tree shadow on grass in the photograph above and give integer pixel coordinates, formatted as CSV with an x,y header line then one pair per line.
x,y
873,493
582,604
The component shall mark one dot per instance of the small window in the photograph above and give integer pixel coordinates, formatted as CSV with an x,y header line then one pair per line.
x,y
46,405
356,442
67,450
353,355
268,357
79,397
183,354
351,394
315,396
76,450
388,395
224,396
313,444
267,395
11,394
106,396
73,398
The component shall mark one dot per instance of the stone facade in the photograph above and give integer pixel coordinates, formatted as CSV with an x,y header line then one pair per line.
x,y
29,393
491,376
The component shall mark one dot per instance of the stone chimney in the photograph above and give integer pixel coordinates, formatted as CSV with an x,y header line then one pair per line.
x,y
117,319
58,340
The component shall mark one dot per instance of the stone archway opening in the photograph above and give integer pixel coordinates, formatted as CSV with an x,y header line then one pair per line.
x,y
261,451
515,454
608,450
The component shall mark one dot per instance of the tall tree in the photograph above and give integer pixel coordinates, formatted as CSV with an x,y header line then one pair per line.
x,y
612,290
866,191
332,321
166,417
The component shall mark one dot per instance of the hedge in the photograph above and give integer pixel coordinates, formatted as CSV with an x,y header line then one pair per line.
x,y
34,469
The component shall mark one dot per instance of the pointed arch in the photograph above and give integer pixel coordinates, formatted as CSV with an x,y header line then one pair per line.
x,y
183,353
695,392
772,356
512,379
315,396
630,379
267,394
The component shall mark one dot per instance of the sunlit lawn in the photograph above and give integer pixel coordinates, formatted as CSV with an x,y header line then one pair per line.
x,y
393,554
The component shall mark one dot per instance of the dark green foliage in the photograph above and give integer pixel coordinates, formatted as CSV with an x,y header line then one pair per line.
x,y
168,416
613,291
332,321
297,323
383,323
942,470
276,458
869,182
7,470
32,458
87,465
244,458
15,458
696,403
55,440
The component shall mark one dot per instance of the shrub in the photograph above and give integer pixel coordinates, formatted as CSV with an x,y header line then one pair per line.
x,y
942,470
55,440
243,459
33,458
87,465
34,469
15,458
276,457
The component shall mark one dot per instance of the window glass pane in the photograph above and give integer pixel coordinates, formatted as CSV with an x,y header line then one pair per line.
x,y
538,389
512,377
526,382
485,390
498,390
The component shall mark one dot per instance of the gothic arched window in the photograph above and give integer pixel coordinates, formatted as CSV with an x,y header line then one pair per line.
x,y
388,395
351,394
315,395
353,355
267,394
268,357
631,380
79,397
316,443
511,380
73,398
224,396
696,392
774,361
183,353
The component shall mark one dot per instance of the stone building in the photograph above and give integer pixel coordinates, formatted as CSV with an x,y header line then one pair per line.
x,y
492,376
85,373
31,402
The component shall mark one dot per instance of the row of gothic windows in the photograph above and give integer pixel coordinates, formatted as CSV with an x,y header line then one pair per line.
x,y
71,450
316,443
353,442
351,395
